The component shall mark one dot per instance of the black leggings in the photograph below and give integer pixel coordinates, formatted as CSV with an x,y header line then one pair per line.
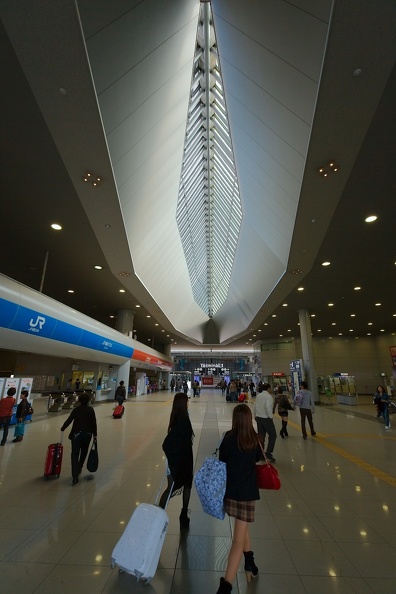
x,y
168,491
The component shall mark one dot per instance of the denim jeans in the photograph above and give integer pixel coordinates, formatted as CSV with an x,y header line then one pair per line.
x,y
385,413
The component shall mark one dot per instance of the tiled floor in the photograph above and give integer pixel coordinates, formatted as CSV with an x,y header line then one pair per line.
x,y
330,529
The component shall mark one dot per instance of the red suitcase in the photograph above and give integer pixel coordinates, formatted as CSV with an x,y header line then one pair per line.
x,y
118,411
53,461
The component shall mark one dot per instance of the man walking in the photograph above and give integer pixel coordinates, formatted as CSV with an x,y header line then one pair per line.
x,y
264,417
307,409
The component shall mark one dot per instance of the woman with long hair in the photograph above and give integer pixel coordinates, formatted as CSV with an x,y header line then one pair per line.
x,y
178,450
240,450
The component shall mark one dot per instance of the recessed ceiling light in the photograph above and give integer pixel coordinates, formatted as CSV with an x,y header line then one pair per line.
x,y
266,323
70,291
273,316
351,330
313,315
370,324
330,304
334,323
319,330
284,304
377,304
112,316
148,316
122,290
156,324
137,305
56,227
382,330
300,289
62,91
289,330
325,263
370,219
368,333
357,288
340,334
357,72
353,315
97,267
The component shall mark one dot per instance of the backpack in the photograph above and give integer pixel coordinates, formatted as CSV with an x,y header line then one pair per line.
x,y
298,398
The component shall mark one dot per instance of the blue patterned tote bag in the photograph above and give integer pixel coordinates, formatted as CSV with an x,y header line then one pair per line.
x,y
210,482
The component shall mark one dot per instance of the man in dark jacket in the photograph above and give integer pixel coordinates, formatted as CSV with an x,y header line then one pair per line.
x,y
84,427
120,394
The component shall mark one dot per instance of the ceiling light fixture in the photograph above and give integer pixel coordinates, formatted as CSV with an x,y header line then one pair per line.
x,y
70,291
92,178
331,167
122,290
300,289
56,227
326,263
370,219
357,288
97,267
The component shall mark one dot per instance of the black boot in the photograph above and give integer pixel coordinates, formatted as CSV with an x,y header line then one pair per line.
x,y
224,588
281,433
184,520
251,569
284,429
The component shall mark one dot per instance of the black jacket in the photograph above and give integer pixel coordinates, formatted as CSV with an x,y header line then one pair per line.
x,y
178,450
83,418
241,469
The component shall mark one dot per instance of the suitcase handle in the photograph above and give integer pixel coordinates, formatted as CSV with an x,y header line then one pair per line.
x,y
161,486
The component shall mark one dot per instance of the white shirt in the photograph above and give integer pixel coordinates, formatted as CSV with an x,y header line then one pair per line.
x,y
264,405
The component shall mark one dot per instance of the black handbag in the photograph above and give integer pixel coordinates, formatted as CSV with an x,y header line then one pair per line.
x,y
93,457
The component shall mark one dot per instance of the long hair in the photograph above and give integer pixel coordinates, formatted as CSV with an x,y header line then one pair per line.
x,y
242,427
179,409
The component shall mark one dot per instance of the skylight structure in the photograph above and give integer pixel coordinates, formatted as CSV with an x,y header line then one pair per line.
x,y
209,212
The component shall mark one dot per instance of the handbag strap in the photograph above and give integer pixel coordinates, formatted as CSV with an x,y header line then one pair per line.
x,y
262,449
218,447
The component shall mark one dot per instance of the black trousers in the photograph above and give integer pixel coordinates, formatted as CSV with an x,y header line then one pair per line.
x,y
264,426
80,446
306,413
6,423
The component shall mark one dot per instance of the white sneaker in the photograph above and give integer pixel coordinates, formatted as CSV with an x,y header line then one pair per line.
x,y
386,428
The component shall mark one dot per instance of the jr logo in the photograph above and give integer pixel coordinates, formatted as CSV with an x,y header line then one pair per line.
x,y
40,321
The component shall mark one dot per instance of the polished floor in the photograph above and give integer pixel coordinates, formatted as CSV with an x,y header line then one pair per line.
x,y
330,529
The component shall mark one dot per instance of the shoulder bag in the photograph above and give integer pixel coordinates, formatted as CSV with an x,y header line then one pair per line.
x,y
210,482
267,475
93,457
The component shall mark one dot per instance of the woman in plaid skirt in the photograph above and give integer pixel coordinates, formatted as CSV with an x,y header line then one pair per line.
x,y
240,451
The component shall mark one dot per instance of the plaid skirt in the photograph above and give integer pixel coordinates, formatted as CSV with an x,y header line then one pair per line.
x,y
241,510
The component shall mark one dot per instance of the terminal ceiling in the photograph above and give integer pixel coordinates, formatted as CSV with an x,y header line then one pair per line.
x,y
104,88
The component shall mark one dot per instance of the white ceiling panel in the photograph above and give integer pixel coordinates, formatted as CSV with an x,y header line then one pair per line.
x,y
123,43
270,22
168,103
291,87
245,93
142,81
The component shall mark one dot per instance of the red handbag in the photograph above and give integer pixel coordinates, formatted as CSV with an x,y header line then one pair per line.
x,y
267,475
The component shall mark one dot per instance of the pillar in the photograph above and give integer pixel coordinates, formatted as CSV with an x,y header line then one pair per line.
x,y
307,352
124,321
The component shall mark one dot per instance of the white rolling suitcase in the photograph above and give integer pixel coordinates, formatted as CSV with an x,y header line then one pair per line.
x,y
139,548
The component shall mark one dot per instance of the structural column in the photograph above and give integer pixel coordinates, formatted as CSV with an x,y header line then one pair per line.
x,y
307,351
124,322
165,374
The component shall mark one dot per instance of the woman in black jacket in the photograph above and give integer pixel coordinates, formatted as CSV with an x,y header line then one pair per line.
x,y
84,427
178,450
240,450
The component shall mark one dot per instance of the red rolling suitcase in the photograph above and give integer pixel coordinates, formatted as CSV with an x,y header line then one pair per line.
x,y
53,460
118,411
